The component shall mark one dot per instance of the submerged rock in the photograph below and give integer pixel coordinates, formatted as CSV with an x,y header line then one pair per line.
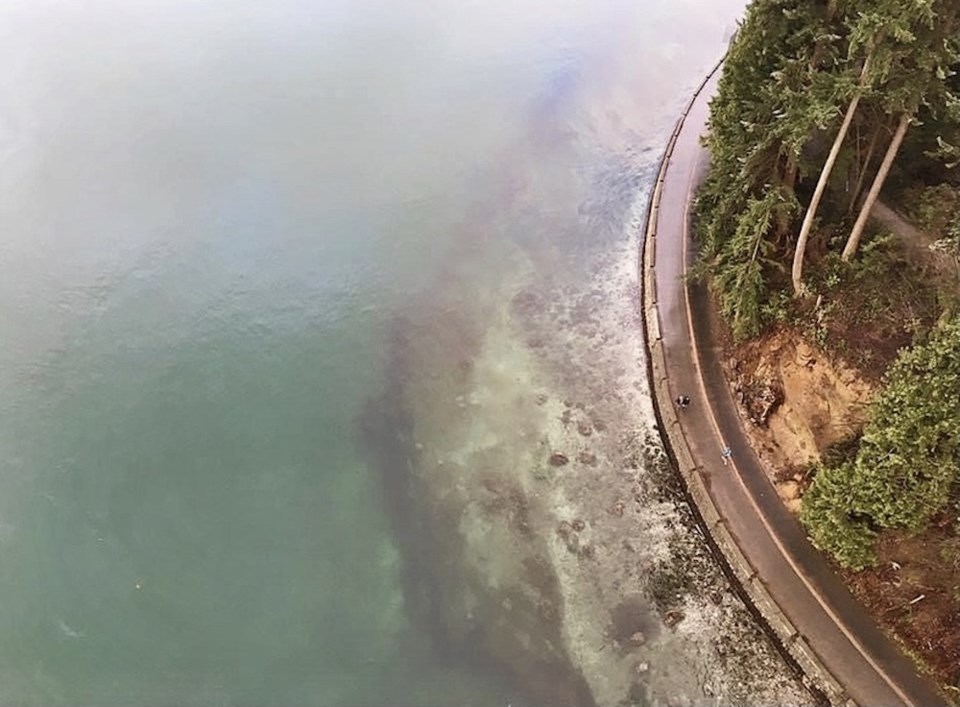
x,y
568,581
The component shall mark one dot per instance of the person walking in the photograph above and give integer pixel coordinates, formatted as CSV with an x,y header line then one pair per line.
x,y
726,454
682,401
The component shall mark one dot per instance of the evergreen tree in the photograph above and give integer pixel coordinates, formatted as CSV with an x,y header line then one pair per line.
x,y
920,47
810,89
771,97
908,460
795,70
810,215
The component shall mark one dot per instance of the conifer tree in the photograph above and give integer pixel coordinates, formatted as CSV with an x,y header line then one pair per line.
x,y
920,48
771,97
909,456
811,213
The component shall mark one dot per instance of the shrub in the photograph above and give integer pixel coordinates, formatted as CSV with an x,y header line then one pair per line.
x,y
908,459
827,512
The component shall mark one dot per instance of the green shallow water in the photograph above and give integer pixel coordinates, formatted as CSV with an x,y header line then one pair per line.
x,y
213,213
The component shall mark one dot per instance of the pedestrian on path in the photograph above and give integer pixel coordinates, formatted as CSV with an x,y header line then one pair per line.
x,y
682,401
726,455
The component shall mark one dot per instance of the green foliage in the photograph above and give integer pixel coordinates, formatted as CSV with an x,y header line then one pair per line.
x,y
915,47
832,526
935,209
881,261
760,118
789,75
910,452
739,266
908,459
778,309
951,242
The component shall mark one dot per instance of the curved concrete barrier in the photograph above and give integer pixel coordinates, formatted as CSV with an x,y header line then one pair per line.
x,y
729,553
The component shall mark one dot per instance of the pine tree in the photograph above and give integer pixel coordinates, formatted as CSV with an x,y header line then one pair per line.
x,y
811,213
920,48
795,71
771,97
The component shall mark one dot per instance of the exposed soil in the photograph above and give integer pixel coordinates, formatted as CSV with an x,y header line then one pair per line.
x,y
795,401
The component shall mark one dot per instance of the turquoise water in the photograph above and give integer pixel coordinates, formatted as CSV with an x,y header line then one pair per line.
x,y
212,215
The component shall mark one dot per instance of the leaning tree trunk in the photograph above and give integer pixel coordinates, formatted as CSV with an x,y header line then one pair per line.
x,y
863,168
861,223
798,253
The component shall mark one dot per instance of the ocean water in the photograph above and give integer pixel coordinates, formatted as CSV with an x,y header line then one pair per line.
x,y
214,215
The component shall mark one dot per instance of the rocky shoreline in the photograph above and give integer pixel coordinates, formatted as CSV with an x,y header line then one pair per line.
x,y
542,527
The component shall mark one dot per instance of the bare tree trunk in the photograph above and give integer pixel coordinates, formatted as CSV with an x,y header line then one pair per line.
x,y
871,148
892,149
798,253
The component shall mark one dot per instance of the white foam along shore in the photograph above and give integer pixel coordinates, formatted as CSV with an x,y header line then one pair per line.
x,y
561,545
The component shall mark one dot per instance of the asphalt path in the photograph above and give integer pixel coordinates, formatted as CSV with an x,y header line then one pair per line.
x,y
868,665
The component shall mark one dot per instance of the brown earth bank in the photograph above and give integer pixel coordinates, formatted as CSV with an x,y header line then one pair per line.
x,y
913,593
798,402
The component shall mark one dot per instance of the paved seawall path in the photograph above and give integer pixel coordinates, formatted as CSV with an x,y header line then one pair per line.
x,y
817,620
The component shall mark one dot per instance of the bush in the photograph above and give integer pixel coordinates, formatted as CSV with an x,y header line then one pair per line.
x,y
908,460
827,512
908,457
934,208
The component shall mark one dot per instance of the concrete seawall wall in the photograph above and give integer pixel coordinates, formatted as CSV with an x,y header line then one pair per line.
x,y
678,449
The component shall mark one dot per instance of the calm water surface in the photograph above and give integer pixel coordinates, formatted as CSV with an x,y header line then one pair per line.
x,y
212,212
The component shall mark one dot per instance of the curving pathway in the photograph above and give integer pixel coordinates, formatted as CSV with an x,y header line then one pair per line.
x,y
817,619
